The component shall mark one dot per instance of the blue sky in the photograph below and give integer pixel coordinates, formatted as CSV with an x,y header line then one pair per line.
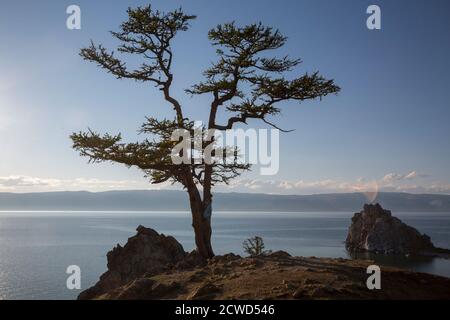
x,y
388,129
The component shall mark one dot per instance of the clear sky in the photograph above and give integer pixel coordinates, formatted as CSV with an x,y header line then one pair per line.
x,y
387,129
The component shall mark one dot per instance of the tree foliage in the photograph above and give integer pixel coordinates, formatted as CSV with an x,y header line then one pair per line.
x,y
244,81
255,246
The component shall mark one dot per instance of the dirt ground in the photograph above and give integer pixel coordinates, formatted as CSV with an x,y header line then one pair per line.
x,y
280,276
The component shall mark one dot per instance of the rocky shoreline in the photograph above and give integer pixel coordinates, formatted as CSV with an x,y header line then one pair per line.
x,y
155,266
375,230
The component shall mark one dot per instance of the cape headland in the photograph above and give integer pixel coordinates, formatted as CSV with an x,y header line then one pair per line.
x,y
155,266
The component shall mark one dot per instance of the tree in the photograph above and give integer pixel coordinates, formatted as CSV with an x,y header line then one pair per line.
x,y
255,246
242,82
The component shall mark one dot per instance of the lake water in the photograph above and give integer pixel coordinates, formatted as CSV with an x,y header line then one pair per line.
x,y
37,247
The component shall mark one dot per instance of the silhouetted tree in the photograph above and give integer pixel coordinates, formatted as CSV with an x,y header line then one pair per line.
x,y
242,81
255,246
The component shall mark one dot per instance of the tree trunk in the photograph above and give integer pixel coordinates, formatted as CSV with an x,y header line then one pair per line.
x,y
202,229
201,222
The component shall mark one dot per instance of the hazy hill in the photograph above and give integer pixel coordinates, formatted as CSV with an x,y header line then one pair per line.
x,y
164,200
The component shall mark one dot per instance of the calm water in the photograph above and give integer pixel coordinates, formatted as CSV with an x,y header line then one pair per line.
x,y
37,247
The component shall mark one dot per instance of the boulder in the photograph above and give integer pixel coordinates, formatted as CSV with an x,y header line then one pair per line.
x,y
145,254
376,230
192,260
280,254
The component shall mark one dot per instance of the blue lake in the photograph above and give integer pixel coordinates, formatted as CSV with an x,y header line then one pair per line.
x,y
37,247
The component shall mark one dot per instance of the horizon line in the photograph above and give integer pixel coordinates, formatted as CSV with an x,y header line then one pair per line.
x,y
221,192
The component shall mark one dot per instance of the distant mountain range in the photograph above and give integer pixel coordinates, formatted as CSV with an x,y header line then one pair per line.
x,y
165,200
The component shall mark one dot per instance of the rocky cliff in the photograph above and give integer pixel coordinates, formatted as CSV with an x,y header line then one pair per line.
x,y
376,230
147,253
154,266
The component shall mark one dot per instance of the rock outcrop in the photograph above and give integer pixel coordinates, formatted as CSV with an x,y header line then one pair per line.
x,y
147,253
155,266
376,230
280,276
